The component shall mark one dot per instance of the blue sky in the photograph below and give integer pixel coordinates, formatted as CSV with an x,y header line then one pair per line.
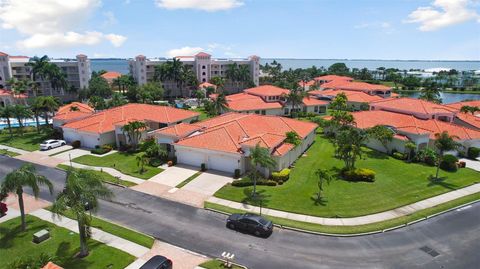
x,y
356,29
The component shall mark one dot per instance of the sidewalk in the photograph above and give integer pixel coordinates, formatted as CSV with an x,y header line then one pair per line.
x,y
109,170
19,151
99,235
378,217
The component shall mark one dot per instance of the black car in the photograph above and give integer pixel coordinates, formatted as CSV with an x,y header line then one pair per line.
x,y
158,262
250,223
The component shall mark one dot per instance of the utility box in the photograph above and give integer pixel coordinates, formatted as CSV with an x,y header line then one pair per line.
x,y
41,236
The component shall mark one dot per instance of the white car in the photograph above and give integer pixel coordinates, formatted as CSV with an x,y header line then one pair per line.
x,y
50,144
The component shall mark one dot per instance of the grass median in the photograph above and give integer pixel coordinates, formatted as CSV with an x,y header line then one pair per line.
x,y
104,176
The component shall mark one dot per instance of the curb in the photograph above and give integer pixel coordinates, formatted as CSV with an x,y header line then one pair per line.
x,y
361,234
106,182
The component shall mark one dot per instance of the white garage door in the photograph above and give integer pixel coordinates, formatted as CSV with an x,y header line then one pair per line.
x,y
192,158
222,163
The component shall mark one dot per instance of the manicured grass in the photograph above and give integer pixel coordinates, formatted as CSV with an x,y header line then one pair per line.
x,y
104,176
28,141
8,153
63,244
378,226
186,181
123,162
125,233
203,113
397,184
216,264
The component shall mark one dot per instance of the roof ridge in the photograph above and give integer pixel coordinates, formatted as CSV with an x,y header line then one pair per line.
x,y
229,135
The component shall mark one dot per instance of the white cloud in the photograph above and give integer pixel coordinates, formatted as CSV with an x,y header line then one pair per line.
x,y
109,19
443,13
207,5
184,51
53,23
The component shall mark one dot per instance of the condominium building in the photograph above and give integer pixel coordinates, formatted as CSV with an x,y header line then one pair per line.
x,y
203,65
77,71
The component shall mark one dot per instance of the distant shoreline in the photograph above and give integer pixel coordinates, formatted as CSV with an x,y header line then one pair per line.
x,y
326,59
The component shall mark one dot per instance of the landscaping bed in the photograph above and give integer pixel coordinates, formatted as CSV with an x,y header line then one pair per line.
x,y
62,246
126,163
397,183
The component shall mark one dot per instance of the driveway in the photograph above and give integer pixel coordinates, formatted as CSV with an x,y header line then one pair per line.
x,y
208,182
174,175
54,150
475,165
42,159
72,153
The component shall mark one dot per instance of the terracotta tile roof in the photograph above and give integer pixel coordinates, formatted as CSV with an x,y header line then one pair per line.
x,y
51,265
202,54
333,77
306,83
105,121
310,101
352,96
206,85
247,102
412,105
473,120
110,75
230,131
410,124
65,113
362,86
178,130
283,149
267,90
459,105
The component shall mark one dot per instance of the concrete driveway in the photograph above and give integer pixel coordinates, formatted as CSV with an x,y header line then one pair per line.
x,y
174,175
73,153
475,165
54,150
209,182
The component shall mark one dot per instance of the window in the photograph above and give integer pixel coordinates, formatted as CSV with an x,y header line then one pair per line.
x,y
286,111
203,73
315,109
203,66
304,109
204,80
264,112
257,111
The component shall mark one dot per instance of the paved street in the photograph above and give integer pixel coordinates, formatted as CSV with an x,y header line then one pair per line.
x,y
455,236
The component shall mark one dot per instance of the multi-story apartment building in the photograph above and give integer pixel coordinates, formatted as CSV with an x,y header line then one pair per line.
x,y
204,66
77,71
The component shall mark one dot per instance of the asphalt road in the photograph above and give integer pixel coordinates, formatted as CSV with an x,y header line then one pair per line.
x,y
453,236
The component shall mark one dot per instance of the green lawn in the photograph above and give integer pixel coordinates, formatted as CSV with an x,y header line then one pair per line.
x,y
359,228
28,141
8,153
63,244
186,181
216,264
123,232
106,177
397,184
203,114
123,162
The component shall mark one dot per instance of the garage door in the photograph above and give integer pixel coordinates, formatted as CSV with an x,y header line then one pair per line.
x,y
222,163
190,157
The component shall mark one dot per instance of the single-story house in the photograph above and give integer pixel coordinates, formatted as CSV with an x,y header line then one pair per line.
x,y
110,76
223,143
355,99
105,127
71,112
270,100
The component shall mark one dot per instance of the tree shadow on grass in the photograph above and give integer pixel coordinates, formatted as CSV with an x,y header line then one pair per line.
x,y
316,201
433,181
373,154
260,198
9,234
70,260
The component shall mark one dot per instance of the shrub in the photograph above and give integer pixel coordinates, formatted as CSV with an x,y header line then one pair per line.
x,y
283,175
398,156
101,149
245,182
473,152
449,163
427,156
170,163
107,147
155,162
359,174
76,144
237,173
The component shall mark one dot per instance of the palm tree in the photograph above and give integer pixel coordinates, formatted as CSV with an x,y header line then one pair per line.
x,y
444,142
323,177
25,176
21,112
260,157
17,86
82,188
37,107
38,65
7,113
295,97
243,74
232,73
50,105
56,77
175,72
34,86
133,131
220,104
410,147
142,160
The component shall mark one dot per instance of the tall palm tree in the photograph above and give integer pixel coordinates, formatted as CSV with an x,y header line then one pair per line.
x,y
243,74
444,142
7,113
175,73
133,130
50,105
25,176
56,77
220,104
260,157
295,97
34,86
232,73
38,65
82,188
17,86
37,107
21,113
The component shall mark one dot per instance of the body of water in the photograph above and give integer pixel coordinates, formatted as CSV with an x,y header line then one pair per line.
x,y
121,65
448,98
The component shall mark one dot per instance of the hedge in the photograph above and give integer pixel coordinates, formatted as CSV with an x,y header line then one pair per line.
x,y
449,163
282,175
473,152
245,182
359,174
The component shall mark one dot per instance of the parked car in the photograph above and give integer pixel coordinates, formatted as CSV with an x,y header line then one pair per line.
x,y
250,223
51,143
158,262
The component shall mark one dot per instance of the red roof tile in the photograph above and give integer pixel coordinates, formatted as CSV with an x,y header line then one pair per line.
x,y
333,77
202,54
412,105
283,149
51,265
459,105
267,90
352,96
105,121
310,101
65,113
178,130
473,120
248,102
110,75
206,85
